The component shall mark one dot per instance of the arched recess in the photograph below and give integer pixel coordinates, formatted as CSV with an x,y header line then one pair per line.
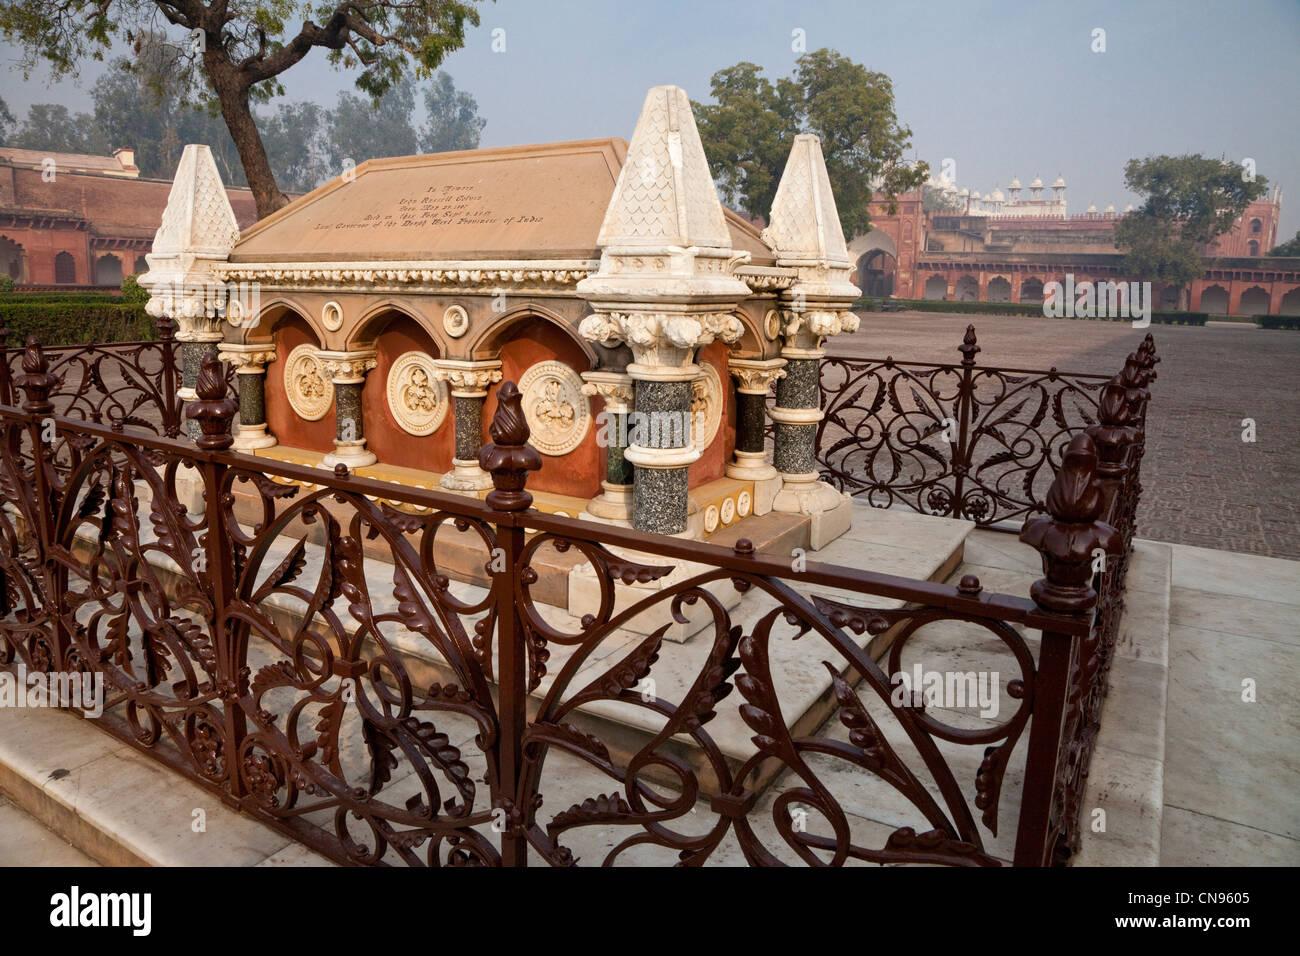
x,y
1254,248
1170,296
1031,291
936,287
876,270
375,320
968,289
1291,303
393,333
271,314
108,270
521,342
1254,301
141,265
999,289
65,269
13,260
290,328
1214,300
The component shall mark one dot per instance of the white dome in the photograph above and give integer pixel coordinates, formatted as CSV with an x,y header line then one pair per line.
x,y
1036,184
1128,208
1014,184
964,192
1110,208
996,195
1059,181
1091,209
975,194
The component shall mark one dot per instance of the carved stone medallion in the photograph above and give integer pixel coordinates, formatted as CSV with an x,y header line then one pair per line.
x,y
416,397
706,406
331,316
310,391
455,321
557,411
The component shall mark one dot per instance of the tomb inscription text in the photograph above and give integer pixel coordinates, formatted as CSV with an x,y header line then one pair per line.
x,y
442,206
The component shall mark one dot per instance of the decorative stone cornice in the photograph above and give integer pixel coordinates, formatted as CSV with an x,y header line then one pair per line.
x,y
755,376
469,379
817,323
347,368
250,359
615,388
478,277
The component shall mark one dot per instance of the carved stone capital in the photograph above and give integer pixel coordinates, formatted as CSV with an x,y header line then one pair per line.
x,y
469,379
615,388
756,376
347,368
806,328
662,339
247,359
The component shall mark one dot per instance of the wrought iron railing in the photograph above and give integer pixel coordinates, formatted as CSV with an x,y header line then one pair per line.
x,y
980,443
300,643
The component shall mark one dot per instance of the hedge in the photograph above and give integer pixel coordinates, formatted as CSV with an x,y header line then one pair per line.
x,y
62,298
1278,322
73,323
1018,308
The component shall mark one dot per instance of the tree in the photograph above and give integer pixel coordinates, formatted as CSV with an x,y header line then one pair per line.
x,y
234,51
6,122
362,128
936,199
453,120
297,138
1190,201
748,133
52,127
1289,248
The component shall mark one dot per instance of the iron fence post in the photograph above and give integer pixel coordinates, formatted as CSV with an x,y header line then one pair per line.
x,y
171,411
214,412
961,454
509,458
1068,537
36,383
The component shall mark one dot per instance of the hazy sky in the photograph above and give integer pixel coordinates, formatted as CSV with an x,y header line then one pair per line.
x,y
1003,88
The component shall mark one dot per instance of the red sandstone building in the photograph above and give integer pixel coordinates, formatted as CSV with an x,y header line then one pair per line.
x,y
68,219
1007,251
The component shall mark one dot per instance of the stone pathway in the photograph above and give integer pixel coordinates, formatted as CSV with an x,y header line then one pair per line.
x,y
1204,486
25,842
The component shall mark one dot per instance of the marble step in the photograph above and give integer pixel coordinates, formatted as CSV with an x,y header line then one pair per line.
x,y
122,808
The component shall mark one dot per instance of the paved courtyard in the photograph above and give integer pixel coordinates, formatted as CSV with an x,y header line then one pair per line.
x,y
1204,486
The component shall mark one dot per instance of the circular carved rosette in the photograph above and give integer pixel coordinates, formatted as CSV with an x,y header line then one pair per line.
x,y
416,397
307,384
555,408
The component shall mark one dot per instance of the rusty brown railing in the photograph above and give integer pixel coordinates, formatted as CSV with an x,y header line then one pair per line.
x,y
954,439
382,672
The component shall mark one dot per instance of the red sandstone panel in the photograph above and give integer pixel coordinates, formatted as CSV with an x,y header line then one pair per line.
x,y
391,443
712,463
282,420
578,473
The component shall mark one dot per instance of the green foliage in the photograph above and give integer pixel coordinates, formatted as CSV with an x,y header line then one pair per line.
x,y
1287,249
1190,201
747,134
73,323
934,199
132,292
6,284
1291,322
